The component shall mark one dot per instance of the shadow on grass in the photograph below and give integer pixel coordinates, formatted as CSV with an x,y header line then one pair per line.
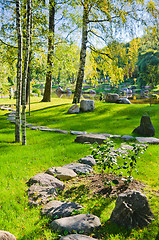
x,y
109,228
157,236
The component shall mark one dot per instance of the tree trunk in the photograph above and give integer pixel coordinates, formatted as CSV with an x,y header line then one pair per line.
x,y
48,84
29,64
19,74
80,76
25,73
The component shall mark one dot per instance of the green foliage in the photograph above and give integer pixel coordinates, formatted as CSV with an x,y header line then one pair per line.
x,y
113,163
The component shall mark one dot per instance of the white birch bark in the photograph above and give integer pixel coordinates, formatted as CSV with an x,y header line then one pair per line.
x,y
80,76
19,74
24,80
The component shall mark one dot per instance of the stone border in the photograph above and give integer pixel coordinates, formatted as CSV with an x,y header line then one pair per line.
x,y
148,140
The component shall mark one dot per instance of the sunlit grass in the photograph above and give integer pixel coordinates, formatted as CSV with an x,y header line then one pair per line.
x,y
46,149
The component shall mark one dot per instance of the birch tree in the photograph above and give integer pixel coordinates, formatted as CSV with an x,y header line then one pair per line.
x,y
19,73
48,84
25,72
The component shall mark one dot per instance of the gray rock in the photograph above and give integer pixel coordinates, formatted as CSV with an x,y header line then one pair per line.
x,y
11,118
78,132
91,138
48,130
87,105
112,97
77,237
82,222
38,195
79,168
62,173
29,125
53,130
88,160
126,146
60,209
73,109
127,138
4,235
149,140
116,136
124,101
132,210
45,179
61,131
36,128
146,128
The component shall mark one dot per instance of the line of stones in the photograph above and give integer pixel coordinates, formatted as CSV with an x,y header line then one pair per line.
x,y
103,136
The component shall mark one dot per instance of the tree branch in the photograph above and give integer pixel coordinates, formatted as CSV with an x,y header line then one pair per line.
x,y
102,53
7,44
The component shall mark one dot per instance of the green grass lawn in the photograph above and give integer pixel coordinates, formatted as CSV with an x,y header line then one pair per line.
x,y
46,149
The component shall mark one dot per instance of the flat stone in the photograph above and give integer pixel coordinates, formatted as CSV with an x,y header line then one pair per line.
x,y
47,129
36,127
91,138
4,235
61,131
78,132
82,222
149,140
59,209
79,168
45,179
62,173
132,210
127,138
88,160
38,195
54,130
116,136
126,146
77,237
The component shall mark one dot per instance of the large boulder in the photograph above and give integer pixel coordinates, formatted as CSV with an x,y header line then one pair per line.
x,y
73,109
112,98
132,210
77,237
87,105
91,138
45,179
62,173
4,235
60,209
82,222
38,195
146,128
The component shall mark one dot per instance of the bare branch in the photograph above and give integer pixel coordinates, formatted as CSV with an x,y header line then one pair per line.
x,y
97,35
